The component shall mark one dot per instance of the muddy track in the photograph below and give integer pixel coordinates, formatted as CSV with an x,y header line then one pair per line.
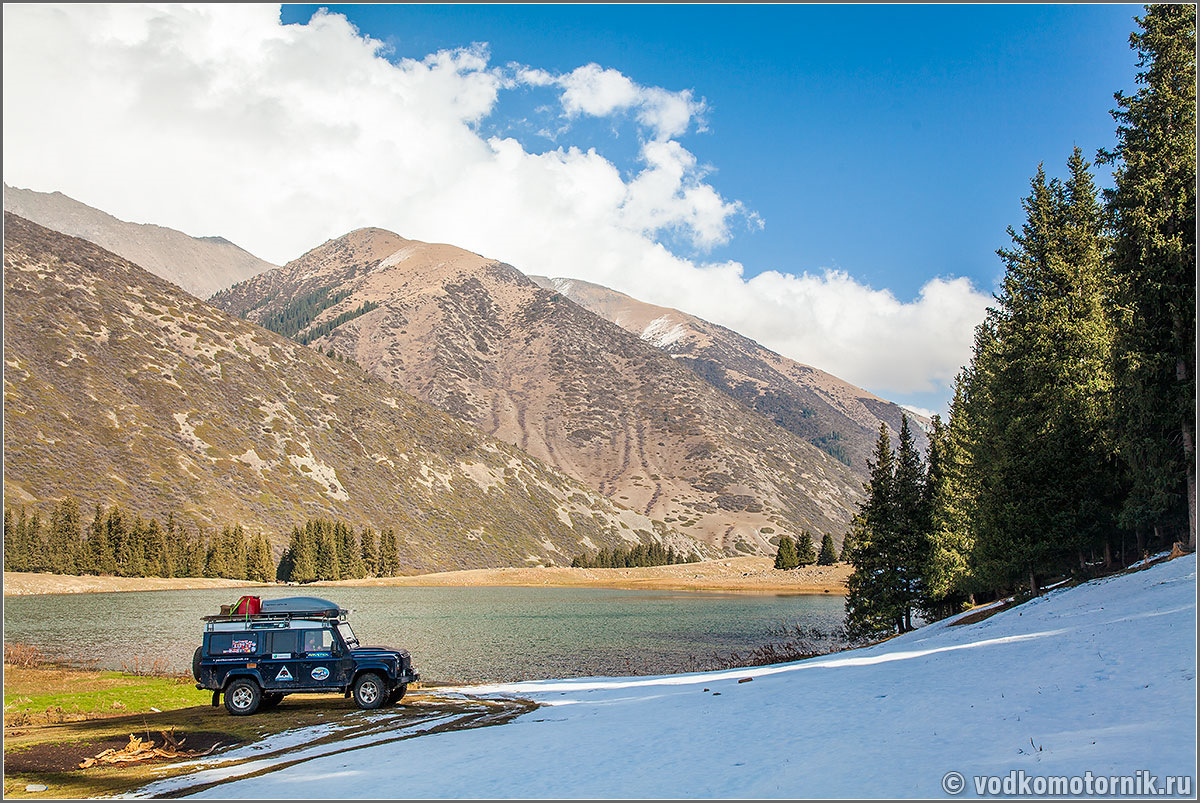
x,y
424,717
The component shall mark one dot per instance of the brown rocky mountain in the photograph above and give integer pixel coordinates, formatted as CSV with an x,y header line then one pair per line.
x,y
200,265
121,388
828,412
479,339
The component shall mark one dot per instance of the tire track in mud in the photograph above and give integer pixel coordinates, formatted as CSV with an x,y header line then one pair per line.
x,y
441,716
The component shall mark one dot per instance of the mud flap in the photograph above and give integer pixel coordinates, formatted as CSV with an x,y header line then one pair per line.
x,y
216,700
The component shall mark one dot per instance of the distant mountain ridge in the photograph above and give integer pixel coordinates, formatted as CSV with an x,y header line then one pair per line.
x,y
828,412
200,265
121,388
479,339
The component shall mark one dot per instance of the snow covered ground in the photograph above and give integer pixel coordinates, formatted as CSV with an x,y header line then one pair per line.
x,y
1098,678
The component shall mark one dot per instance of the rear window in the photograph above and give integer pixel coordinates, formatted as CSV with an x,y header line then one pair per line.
x,y
233,644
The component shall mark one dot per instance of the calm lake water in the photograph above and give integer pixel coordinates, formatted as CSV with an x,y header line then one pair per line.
x,y
454,634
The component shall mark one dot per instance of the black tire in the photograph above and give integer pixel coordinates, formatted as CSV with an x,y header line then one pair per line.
x,y
196,662
370,691
270,700
242,697
398,694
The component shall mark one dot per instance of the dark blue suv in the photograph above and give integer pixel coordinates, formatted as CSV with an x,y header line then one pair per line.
x,y
290,645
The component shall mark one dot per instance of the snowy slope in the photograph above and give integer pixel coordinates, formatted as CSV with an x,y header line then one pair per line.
x,y
1099,677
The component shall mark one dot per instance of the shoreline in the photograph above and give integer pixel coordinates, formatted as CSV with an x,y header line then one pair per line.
x,y
23,584
753,575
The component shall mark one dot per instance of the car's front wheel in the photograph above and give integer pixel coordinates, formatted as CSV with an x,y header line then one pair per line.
x,y
242,697
398,693
370,691
270,700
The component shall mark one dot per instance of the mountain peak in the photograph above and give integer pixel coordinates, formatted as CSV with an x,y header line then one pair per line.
x,y
200,265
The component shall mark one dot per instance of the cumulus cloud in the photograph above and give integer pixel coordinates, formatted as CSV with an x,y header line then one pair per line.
x,y
217,119
597,92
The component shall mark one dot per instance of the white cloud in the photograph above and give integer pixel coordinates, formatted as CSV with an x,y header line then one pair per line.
x,y
217,119
599,92
921,411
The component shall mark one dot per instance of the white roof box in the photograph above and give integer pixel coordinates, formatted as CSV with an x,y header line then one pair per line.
x,y
301,605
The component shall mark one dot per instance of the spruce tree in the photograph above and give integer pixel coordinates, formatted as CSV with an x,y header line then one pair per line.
x,y
847,546
1040,388
349,552
950,498
911,524
872,597
785,555
1152,217
65,541
301,557
806,552
829,554
10,541
389,559
259,566
370,552
327,561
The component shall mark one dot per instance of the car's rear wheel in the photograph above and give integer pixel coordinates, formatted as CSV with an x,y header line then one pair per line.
x,y
370,691
196,662
398,693
242,697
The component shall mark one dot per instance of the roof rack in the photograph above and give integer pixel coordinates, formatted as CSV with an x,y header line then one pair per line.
x,y
285,609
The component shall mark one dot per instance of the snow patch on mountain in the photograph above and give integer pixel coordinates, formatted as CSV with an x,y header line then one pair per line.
x,y
662,332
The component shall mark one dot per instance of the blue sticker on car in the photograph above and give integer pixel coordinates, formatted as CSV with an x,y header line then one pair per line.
x,y
320,673
319,655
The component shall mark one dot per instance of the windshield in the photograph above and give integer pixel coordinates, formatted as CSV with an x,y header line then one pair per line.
x,y
347,634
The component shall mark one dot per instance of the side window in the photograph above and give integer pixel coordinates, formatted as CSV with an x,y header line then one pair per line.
x,y
318,640
233,644
284,642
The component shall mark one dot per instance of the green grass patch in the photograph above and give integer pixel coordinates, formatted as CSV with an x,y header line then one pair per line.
x,y
43,695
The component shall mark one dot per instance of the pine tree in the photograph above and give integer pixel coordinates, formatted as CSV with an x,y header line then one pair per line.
x,y
806,552
350,560
872,597
950,498
17,543
847,546
370,552
65,539
829,554
785,556
100,554
10,541
157,557
911,524
1152,215
328,564
259,566
389,559
1040,385
298,563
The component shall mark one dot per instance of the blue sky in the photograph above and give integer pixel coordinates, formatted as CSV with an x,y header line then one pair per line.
x,y
830,180
892,142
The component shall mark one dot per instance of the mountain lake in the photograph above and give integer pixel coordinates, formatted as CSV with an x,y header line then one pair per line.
x,y
455,635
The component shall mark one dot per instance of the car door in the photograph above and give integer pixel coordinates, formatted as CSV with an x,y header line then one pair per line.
x,y
280,663
320,655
